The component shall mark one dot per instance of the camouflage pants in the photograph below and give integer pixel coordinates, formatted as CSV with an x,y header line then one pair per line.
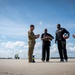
x,y
30,52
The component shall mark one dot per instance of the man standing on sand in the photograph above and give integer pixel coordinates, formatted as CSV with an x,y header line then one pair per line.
x,y
46,40
61,42
31,42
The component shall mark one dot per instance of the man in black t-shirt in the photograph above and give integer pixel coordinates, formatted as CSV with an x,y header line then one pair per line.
x,y
61,42
46,43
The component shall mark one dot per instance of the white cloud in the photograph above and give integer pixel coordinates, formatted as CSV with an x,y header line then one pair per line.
x,y
38,44
9,49
54,51
4,37
70,47
10,45
54,48
40,23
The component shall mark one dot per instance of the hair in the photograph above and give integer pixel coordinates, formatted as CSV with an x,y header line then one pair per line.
x,y
58,25
31,25
45,29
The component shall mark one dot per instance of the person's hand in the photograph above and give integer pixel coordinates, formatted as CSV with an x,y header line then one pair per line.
x,y
38,35
55,41
49,37
45,37
73,35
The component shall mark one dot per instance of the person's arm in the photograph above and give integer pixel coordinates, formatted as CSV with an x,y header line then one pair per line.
x,y
37,36
56,37
67,32
73,35
51,37
43,38
32,36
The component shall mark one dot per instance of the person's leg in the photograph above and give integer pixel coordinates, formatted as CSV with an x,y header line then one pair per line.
x,y
48,53
60,50
64,50
43,53
30,52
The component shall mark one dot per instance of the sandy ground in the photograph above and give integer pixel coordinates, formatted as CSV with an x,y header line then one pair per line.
x,y
22,67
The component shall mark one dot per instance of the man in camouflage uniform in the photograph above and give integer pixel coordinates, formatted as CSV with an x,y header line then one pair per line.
x,y
31,42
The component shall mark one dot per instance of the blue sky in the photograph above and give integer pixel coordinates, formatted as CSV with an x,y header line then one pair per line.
x,y
17,15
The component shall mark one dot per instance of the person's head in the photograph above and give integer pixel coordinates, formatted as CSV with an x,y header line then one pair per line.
x,y
32,27
45,31
58,26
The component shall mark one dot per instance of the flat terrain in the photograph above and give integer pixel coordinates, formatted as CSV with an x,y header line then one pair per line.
x,y
22,67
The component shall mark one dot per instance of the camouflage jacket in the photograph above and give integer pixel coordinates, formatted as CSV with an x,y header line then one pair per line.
x,y
31,37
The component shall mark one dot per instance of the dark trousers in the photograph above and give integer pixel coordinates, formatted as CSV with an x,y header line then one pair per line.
x,y
45,52
62,50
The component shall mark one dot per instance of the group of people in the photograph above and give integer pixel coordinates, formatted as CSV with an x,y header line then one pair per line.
x,y
46,38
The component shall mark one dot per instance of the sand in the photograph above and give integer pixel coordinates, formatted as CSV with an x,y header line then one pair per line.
x,y
22,67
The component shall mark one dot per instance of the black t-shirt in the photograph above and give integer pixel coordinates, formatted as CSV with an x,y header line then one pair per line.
x,y
46,42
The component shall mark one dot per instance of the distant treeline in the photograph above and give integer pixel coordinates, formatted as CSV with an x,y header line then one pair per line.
x,y
59,58
37,58
6,58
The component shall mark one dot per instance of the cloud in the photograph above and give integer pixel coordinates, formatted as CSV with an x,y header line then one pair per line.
x,y
70,50
54,51
54,48
9,49
38,44
4,37
70,47
14,45
40,23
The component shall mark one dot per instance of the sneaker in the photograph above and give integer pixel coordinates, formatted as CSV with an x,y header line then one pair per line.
x,y
43,60
47,60
61,60
30,61
66,60
33,61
